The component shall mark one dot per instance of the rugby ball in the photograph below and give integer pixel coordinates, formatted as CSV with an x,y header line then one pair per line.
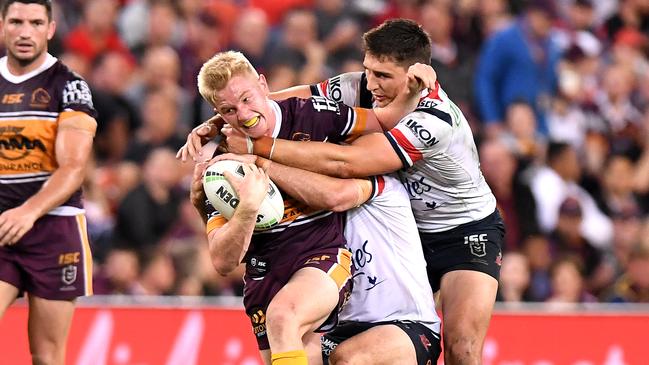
x,y
224,199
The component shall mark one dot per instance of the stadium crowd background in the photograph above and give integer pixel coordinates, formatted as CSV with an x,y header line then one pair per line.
x,y
563,135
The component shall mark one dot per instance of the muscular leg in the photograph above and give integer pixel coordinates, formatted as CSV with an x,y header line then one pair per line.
x,y
466,314
48,328
8,294
381,345
300,306
311,341
265,356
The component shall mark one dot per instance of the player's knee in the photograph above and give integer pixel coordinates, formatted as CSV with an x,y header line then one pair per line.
x,y
279,319
46,359
344,357
462,350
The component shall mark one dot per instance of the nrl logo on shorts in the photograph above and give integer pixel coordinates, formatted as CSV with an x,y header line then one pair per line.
x,y
476,244
69,274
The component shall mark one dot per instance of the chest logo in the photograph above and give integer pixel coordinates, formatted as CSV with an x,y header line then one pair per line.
x,y
40,98
12,98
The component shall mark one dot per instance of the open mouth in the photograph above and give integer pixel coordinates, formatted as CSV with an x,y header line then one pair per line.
x,y
251,122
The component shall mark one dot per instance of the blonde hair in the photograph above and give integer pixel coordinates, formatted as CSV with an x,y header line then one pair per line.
x,y
218,70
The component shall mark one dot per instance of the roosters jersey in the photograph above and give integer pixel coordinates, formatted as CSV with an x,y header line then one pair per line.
x,y
441,169
31,106
390,280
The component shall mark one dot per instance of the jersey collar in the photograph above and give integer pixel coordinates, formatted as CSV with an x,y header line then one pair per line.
x,y
4,70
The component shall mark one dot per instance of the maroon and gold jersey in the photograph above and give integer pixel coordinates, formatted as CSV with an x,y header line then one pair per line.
x,y
313,119
31,107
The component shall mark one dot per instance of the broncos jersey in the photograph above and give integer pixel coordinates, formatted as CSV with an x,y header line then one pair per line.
x,y
390,280
31,107
441,169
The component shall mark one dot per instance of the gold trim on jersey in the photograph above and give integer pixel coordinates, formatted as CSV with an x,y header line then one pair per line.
x,y
27,146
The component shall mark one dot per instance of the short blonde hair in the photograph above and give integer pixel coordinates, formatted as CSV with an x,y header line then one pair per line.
x,y
218,70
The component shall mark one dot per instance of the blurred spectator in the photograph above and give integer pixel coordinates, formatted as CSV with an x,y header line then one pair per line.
x,y
515,199
630,13
159,126
553,183
506,73
250,36
146,213
633,286
163,28
96,33
276,10
537,250
521,133
157,274
339,30
118,273
205,37
615,102
514,278
299,47
568,282
450,59
567,239
160,71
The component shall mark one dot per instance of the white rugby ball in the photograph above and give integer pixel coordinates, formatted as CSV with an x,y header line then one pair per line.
x,y
224,199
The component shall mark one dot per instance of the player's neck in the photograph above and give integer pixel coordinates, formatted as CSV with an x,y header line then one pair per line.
x,y
17,68
271,118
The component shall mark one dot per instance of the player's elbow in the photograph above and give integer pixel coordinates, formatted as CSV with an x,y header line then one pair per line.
x,y
343,199
223,266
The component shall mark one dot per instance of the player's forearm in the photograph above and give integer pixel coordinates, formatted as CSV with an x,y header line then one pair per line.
x,y
313,189
56,190
300,91
229,244
320,157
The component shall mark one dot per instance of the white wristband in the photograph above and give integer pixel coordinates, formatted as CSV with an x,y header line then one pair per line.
x,y
249,144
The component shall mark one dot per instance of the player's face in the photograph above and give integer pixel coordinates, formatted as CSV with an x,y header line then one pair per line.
x,y
243,103
26,30
385,79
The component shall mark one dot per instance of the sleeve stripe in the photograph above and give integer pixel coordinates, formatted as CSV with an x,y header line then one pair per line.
x,y
315,90
408,153
215,222
438,113
351,121
361,121
378,185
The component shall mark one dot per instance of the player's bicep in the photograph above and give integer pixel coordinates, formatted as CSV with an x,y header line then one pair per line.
x,y
370,155
74,137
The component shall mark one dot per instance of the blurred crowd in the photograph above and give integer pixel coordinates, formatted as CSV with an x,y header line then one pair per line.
x,y
557,93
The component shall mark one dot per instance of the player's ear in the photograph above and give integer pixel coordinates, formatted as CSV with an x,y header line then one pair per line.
x,y
263,83
50,30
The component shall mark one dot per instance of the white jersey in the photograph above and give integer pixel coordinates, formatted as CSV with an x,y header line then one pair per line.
x,y
390,282
435,143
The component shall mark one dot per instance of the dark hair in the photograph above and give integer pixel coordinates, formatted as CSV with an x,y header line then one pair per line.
x,y
401,40
556,150
46,3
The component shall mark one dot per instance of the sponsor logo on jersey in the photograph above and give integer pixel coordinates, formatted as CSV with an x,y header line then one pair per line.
x,y
425,341
422,133
327,345
258,320
69,258
14,146
40,98
322,104
12,98
335,91
258,265
477,244
77,92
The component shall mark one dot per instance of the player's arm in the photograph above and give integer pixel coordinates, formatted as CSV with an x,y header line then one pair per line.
x,y
368,155
300,91
316,190
228,240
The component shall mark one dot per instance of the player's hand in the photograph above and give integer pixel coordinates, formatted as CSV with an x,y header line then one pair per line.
x,y
423,75
234,141
198,137
14,223
246,159
196,192
252,188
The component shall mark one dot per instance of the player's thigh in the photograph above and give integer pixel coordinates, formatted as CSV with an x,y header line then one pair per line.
x,y
265,356
8,294
385,344
49,323
308,298
467,300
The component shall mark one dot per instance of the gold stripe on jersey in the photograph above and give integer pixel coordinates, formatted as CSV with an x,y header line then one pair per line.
x,y
27,146
87,254
342,270
78,120
215,222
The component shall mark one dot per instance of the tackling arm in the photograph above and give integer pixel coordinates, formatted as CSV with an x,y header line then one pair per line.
x,y
316,190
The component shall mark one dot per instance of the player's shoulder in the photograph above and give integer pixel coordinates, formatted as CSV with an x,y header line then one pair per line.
x,y
64,72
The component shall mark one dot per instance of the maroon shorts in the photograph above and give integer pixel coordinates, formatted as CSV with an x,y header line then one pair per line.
x,y
265,277
52,260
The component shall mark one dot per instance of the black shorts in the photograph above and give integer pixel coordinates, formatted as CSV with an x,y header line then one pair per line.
x,y
426,341
472,246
